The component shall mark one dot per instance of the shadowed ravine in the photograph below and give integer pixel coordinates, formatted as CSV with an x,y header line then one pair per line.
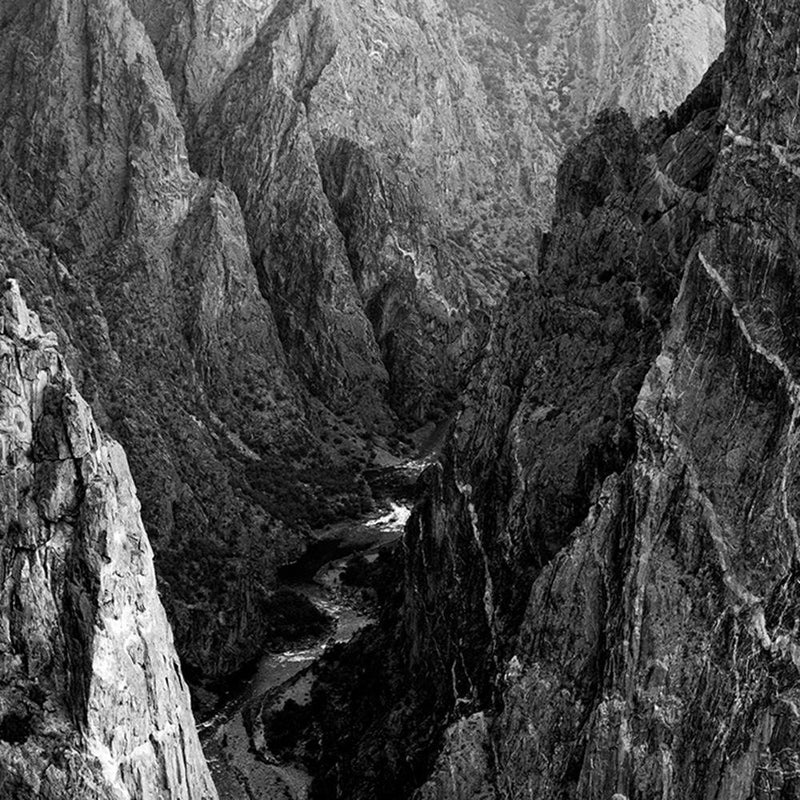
x,y
233,739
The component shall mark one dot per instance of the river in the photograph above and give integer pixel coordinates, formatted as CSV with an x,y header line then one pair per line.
x,y
242,771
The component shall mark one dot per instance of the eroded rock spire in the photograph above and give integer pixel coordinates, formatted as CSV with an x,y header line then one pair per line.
x,y
92,700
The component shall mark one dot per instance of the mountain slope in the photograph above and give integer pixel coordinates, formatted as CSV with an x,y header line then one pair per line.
x,y
92,700
448,109
147,271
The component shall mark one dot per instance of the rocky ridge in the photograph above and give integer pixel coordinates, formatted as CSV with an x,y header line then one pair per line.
x,y
92,700
255,140
436,146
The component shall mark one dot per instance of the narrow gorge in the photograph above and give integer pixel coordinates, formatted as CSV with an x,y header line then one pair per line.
x,y
432,363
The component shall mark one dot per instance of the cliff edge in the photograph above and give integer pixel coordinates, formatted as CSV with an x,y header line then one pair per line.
x,y
92,700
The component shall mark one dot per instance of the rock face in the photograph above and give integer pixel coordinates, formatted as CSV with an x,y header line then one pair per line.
x,y
255,140
436,138
641,56
601,576
682,672
550,406
145,270
92,700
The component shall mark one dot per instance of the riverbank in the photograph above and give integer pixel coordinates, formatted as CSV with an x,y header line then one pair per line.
x,y
233,742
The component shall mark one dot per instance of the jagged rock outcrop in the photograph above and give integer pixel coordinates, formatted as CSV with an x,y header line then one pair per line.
x,y
429,314
255,140
693,678
92,700
613,530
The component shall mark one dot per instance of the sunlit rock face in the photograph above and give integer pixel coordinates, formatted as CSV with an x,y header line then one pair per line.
x,y
641,56
92,700
656,652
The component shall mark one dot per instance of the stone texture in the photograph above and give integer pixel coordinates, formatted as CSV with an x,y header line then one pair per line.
x,y
464,764
641,56
547,420
92,700
255,140
605,562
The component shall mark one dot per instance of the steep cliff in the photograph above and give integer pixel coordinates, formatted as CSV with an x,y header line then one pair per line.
x,y
681,678
547,419
146,270
92,700
602,576
254,139
600,588
437,130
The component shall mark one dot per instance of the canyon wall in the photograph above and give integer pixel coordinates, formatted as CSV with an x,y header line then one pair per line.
x,y
436,138
601,576
92,700
267,235
145,270
547,420
347,264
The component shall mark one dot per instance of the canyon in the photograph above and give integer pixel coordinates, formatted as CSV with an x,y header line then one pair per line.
x,y
259,278
272,247
599,598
